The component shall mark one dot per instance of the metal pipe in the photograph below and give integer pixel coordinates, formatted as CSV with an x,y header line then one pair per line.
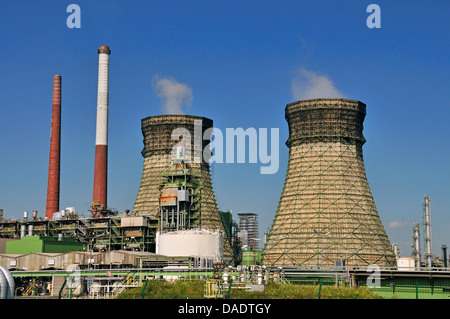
x,y
172,222
178,212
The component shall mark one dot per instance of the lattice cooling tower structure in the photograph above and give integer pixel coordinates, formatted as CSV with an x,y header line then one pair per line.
x,y
326,212
158,156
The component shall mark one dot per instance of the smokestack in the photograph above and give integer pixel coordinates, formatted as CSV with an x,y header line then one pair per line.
x,y
55,151
101,140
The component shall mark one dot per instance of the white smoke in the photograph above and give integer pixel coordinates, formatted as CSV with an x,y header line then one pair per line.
x,y
310,85
398,224
174,94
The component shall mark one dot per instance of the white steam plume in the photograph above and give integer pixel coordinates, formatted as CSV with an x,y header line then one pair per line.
x,y
174,94
398,224
310,85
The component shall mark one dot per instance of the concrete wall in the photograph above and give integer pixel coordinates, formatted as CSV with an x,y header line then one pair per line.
x,y
39,261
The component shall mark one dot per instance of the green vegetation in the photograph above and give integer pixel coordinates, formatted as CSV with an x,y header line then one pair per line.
x,y
292,291
160,289
194,289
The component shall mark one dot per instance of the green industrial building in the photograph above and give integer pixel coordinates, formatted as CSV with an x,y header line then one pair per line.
x,y
43,244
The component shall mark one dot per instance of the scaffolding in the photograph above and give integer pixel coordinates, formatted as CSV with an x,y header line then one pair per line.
x,y
180,198
326,212
165,136
121,232
248,230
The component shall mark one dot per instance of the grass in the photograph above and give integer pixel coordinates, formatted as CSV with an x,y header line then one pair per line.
x,y
194,289
292,291
160,289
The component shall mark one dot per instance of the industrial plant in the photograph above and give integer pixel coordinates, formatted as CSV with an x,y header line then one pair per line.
x,y
326,225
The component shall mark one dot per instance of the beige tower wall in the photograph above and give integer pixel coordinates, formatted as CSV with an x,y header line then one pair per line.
x,y
326,211
157,152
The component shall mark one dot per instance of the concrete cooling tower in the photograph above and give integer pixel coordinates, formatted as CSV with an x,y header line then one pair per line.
x,y
326,212
176,188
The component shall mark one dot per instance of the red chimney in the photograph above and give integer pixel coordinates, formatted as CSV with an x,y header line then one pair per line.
x,y
55,151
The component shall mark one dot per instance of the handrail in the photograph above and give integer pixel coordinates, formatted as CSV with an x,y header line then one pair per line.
x,y
61,289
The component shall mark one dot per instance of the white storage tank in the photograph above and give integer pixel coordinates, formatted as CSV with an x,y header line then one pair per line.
x,y
406,263
196,243
56,216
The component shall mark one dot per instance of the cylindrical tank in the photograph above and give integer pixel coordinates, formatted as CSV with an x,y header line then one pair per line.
x,y
34,214
11,286
3,286
30,230
197,243
25,215
23,230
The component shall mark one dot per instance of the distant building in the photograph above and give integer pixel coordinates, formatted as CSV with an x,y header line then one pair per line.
x,y
248,230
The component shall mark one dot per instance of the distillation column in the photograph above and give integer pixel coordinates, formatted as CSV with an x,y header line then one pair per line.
x,y
427,225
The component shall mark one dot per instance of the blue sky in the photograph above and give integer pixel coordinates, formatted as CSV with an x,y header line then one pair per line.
x,y
240,60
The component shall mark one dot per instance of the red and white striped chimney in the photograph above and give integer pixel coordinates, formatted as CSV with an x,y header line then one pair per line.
x,y
101,140
55,151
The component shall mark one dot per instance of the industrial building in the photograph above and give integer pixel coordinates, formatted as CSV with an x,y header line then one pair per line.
x,y
326,213
248,230
175,201
326,216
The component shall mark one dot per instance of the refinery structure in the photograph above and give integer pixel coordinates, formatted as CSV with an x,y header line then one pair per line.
x,y
326,217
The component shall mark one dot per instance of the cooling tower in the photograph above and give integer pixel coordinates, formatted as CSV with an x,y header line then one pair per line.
x,y
160,139
326,212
